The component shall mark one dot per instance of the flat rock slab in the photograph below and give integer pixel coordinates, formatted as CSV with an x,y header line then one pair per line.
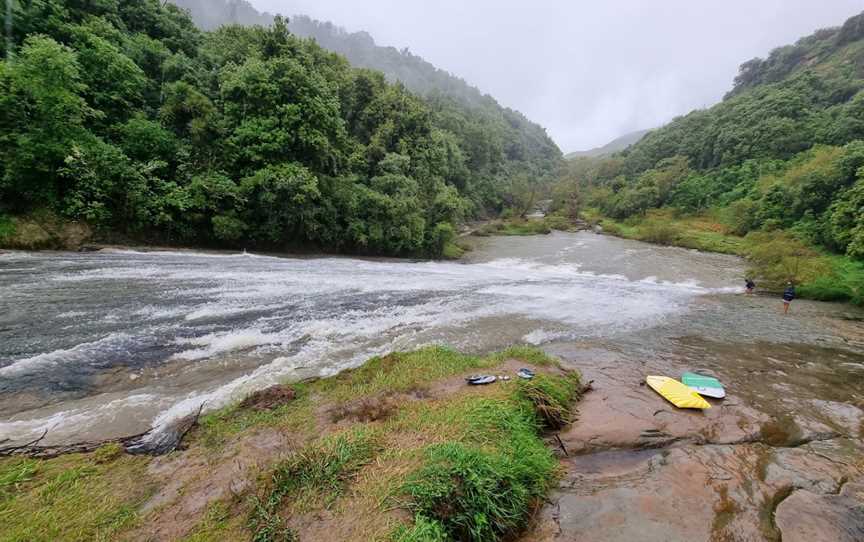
x,y
810,517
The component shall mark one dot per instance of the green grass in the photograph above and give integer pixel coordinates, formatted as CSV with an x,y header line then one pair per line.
x,y
217,428
517,227
14,474
476,462
394,373
403,372
483,487
834,277
70,498
423,530
315,475
220,523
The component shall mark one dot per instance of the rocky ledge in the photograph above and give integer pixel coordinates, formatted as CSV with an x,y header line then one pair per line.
x,y
779,459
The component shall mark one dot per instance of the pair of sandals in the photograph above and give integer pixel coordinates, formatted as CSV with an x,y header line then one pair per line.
x,y
484,380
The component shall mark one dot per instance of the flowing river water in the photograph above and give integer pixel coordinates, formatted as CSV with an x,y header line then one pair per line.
x,y
98,345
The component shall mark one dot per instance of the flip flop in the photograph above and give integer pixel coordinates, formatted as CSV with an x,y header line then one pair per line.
x,y
527,374
481,380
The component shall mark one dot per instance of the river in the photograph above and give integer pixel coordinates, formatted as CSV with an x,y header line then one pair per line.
x,y
98,345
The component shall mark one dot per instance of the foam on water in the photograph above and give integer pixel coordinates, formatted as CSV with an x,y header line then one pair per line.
x,y
218,343
78,353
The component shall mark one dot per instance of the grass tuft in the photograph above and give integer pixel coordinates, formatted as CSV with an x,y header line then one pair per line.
x,y
481,495
15,474
423,530
483,485
315,475
551,398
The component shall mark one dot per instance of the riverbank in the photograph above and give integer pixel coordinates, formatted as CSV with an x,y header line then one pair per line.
x,y
520,227
398,449
44,230
773,257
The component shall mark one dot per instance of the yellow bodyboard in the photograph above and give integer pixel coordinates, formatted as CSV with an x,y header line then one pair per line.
x,y
677,393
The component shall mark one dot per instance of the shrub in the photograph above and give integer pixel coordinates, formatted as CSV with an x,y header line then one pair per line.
x,y
7,227
551,398
776,257
228,228
659,232
741,216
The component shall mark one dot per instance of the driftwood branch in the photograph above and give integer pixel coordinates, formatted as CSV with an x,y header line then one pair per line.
x,y
164,441
32,449
12,449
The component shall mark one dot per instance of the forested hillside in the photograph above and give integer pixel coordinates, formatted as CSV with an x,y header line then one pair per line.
x,y
124,115
783,152
459,105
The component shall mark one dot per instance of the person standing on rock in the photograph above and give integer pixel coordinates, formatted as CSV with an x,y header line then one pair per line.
x,y
788,296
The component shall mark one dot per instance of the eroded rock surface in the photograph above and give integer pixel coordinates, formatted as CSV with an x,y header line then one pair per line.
x,y
779,459
806,516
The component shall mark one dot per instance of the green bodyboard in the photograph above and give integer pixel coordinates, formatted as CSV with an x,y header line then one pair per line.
x,y
698,381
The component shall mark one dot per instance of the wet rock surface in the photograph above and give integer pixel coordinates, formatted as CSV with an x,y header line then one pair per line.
x,y
781,458
805,516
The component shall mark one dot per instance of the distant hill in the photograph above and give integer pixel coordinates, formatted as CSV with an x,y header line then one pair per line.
x,y
618,144
360,48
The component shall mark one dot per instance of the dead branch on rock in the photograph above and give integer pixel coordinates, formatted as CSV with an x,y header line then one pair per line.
x,y
150,442
10,450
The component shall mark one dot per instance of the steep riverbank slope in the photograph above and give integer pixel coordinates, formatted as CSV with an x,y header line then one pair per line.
x,y
399,449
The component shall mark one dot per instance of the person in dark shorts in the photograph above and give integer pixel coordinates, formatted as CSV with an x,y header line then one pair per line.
x,y
750,285
788,296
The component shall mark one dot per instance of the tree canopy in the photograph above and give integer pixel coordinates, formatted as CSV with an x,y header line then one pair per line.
x,y
122,113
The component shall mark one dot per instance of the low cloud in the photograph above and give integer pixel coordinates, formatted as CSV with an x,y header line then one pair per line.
x,y
589,71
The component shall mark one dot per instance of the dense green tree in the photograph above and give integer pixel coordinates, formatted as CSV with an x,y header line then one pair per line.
x,y
42,116
122,114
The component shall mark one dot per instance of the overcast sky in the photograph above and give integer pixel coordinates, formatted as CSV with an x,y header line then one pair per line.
x,y
587,70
